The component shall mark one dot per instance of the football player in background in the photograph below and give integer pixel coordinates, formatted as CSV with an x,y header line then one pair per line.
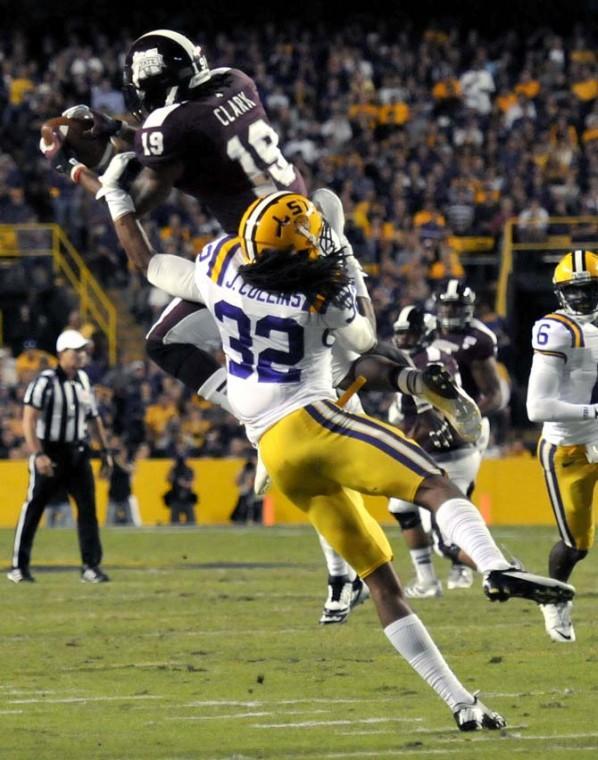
x,y
563,394
273,289
414,332
473,346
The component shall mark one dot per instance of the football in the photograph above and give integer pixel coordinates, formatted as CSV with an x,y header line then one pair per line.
x,y
94,152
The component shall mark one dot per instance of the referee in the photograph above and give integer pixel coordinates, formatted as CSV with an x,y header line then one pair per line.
x,y
57,406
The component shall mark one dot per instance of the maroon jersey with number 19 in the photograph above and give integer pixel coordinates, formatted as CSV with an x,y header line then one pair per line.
x,y
226,144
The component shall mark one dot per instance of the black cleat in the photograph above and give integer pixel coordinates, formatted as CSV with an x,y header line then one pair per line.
x,y
445,395
93,575
477,716
500,585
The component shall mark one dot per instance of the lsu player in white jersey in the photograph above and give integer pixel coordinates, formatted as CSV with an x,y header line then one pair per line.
x,y
563,394
276,300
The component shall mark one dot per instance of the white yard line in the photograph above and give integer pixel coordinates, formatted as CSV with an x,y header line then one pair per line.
x,y
69,700
347,722
266,702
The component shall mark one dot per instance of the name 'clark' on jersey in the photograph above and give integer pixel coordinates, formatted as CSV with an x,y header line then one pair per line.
x,y
227,146
575,344
277,349
475,342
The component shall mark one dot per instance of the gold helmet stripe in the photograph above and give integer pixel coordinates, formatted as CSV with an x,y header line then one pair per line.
x,y
249,223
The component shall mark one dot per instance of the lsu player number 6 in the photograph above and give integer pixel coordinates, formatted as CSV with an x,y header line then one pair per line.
x,y
563,394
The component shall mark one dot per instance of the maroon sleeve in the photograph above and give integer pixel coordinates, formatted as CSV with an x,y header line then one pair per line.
x,y
482,346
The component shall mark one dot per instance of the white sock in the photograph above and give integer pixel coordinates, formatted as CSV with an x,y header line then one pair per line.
x,y
422,562
460,523
214,390
411,640
334,562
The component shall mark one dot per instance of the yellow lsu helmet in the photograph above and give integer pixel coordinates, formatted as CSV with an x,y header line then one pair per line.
x,y
281,221
575,282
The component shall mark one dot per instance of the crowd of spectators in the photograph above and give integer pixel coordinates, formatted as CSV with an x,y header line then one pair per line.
x,y
431,138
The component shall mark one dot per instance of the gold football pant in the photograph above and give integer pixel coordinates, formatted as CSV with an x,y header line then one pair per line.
x,y
323,458
570,480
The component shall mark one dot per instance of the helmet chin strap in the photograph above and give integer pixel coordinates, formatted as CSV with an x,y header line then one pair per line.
x,y
171,97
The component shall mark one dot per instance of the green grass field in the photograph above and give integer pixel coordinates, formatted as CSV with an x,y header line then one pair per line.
x,y
206,645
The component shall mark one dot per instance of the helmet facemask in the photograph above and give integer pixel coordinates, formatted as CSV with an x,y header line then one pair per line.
x,y
454,315
580,299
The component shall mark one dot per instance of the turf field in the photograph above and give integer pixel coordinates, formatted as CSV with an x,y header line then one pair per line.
x,y
206,645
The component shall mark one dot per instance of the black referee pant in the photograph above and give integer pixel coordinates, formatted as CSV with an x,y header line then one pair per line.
x,y
72,470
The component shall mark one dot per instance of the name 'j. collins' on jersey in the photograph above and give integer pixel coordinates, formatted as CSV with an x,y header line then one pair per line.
x,y
278,359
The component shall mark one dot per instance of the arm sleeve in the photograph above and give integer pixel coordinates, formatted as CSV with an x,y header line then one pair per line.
x,y
358,335
174,275
543,402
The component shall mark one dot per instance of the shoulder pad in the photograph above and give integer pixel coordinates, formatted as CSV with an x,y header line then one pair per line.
x,y
158,117
222,70
556,332
478,325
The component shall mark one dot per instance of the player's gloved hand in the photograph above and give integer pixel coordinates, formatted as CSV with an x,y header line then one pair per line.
x,y
100,124
62,159
441,435
120,173
116,182
107,464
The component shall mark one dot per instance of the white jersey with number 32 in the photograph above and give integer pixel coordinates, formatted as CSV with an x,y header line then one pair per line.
x,y
277,349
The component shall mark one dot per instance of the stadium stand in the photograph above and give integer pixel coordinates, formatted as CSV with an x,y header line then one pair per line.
x,y
433,138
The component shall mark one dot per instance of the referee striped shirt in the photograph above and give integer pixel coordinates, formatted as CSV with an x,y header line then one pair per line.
x,y
64,404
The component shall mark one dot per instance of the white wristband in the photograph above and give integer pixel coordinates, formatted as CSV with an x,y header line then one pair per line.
x,y
119,202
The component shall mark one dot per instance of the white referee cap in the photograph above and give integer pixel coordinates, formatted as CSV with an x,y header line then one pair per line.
x,y
70,339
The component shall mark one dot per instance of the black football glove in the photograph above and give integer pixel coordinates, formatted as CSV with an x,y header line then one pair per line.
x,y
100,124
441,435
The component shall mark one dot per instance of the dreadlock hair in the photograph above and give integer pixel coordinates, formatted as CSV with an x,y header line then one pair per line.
x,y
321,280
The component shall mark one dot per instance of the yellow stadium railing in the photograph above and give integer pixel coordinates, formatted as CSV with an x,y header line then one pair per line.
x,y
49,240
557,243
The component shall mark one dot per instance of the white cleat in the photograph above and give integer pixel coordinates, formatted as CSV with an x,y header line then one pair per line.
x,y
460,576
418,590
339,601
557,621
261,482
